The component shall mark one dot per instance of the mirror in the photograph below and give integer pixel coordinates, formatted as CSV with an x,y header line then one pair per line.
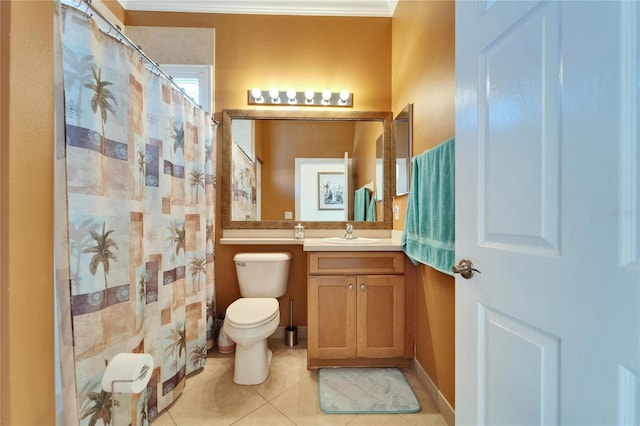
x,y
403,138
280,168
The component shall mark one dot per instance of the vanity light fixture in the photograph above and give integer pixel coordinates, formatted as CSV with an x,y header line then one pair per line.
x,y
292,97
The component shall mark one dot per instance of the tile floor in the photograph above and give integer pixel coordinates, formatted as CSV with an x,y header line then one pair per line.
x,y
289,396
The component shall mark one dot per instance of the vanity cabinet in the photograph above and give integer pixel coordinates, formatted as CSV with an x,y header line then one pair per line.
x,y
357,311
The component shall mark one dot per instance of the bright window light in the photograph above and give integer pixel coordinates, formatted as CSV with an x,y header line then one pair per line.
x,y
195,80
191,86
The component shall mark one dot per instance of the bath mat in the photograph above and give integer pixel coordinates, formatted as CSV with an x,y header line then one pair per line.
x,y
365,390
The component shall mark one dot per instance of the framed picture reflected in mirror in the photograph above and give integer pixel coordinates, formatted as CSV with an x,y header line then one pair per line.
x,y
331,191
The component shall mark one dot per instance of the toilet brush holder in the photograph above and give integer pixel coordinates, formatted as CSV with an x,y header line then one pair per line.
x,y
291,336
291,332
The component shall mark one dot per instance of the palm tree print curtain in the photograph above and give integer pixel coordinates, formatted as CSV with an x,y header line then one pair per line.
x,y
139,181
244,203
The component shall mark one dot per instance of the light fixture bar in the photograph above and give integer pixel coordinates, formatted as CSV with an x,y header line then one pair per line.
x,y
291,97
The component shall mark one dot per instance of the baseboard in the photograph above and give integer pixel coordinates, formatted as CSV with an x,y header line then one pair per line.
x,y
280,333
442,404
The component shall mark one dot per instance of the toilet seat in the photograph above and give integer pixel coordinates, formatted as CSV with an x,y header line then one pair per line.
x,y
252,312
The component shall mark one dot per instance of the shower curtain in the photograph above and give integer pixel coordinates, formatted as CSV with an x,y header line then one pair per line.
x,y
135,194
243,191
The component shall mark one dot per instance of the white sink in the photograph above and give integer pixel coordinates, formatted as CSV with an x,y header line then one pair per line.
x,y
357,240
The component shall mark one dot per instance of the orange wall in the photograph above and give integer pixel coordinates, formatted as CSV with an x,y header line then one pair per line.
x,y
286,140
292,51
286,51
4,145
423,73
26,227
364,153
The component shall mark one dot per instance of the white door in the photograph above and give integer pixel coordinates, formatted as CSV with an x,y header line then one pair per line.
x,y
548,210
258,189
346,193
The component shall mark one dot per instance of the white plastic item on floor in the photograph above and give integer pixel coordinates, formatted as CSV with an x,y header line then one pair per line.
x,y
225,344
127,373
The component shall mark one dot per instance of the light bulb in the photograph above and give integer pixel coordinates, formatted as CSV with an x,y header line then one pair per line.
x,y
257,94
326,97
308,95
275,95
291,95
344,96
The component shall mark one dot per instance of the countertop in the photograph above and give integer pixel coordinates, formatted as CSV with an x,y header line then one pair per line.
x,y
321,244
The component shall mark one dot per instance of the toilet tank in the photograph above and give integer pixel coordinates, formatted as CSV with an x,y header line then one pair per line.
x,y
262,274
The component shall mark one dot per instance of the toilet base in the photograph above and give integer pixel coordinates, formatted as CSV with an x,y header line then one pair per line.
x,y
252,363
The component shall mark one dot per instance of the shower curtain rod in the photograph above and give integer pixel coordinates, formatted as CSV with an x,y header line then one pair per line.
x,y
137,48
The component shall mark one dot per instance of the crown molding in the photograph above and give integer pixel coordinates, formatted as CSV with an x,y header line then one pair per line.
x,y
365,8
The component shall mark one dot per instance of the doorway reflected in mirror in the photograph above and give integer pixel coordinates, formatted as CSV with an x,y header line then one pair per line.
x,y
402,131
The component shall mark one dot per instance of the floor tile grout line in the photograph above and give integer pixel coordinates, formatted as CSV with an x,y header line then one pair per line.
x,y
250,412
281,392
284,414
171,417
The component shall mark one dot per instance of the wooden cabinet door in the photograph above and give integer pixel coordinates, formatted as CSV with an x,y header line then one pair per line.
x,y
380,322
331,317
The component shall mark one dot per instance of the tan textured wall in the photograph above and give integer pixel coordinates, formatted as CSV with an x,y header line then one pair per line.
x,y
112,10
286,51
166,45
423,73
26,233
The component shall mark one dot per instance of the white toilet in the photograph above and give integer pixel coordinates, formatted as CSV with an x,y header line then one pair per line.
x,y
250,320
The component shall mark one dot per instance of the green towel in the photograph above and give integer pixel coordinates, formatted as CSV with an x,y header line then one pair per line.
x,y
360,204
429,229
371,210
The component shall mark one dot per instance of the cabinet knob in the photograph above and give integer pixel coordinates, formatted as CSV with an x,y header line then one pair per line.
x,y
363,287
350,287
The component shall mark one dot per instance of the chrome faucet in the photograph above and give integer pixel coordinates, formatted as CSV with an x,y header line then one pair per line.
x,y
349,234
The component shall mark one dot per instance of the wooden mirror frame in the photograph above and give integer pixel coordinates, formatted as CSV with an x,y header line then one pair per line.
x,y
389,183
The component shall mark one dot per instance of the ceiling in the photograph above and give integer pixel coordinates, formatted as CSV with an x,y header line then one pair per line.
x,y
382,8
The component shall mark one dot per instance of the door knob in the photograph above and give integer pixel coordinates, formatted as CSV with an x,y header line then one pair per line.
x,y
464,268
363,287
350,287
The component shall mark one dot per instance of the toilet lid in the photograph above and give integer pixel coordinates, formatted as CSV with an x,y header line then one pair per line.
x,y
252,311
